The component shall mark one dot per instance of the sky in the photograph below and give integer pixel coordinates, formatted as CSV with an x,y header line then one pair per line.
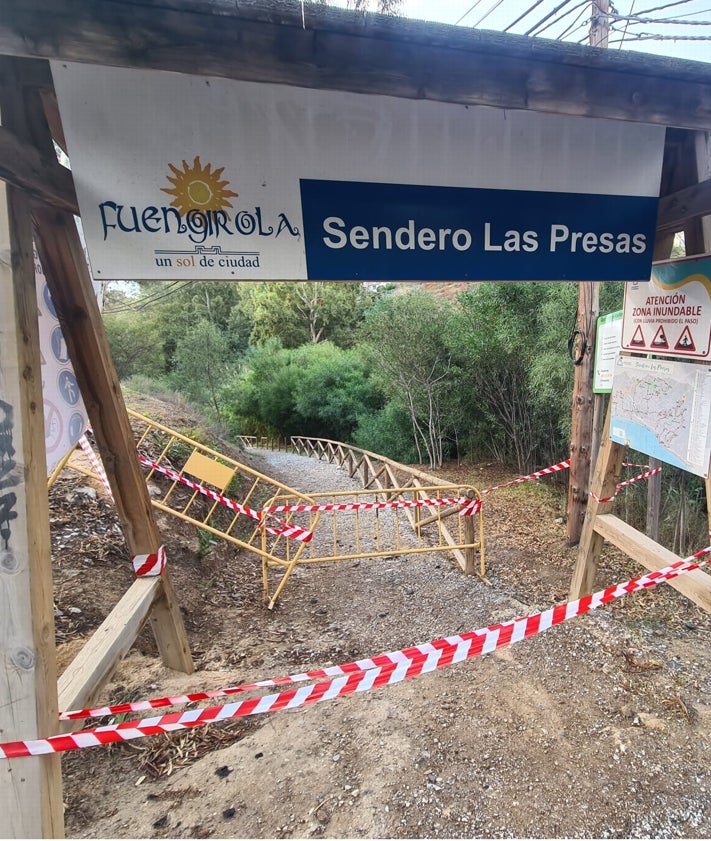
x,y
499,14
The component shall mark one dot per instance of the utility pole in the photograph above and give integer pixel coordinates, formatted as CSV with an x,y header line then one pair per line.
x,y
588,310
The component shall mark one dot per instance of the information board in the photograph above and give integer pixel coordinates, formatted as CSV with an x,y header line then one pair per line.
x,y
188,177
663,408
607,349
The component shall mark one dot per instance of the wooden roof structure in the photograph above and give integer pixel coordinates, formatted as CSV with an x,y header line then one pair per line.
x,y
277,41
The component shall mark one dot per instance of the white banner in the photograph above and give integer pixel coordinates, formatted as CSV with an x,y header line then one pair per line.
x,y
65,418
196,178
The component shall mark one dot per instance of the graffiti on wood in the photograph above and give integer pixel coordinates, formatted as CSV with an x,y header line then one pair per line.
x,y
8,480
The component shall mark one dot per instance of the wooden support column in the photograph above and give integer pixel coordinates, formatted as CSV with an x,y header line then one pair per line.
x,y
662,251
605,479
73,296
582,422
703,169
470,536
582,446
30,789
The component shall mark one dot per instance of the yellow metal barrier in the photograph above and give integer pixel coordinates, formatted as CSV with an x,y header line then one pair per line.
x,y
350,531
347,530
381,473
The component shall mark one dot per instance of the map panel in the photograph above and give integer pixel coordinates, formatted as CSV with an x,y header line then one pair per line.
x,y
663,409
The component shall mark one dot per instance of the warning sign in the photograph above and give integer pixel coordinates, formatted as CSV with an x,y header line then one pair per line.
x,y
686,341
660,339
671,314
638,338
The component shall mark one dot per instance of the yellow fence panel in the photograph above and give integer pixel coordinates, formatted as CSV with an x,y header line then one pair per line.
x,y
398,512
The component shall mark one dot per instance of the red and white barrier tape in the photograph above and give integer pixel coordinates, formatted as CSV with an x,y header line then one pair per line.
x,y
96,464
285,529
564,465
385,670
469,506
149,565
624,484
554,468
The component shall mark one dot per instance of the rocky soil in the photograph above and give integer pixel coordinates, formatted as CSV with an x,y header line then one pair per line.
x,y
598,728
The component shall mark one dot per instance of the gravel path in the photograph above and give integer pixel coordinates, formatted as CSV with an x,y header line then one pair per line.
x,y
598,728
411,598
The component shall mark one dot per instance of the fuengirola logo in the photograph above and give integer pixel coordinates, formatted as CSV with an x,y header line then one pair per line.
x,y
198,188
198,210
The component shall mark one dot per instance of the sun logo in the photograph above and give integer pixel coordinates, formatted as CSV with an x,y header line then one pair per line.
x,y
198,187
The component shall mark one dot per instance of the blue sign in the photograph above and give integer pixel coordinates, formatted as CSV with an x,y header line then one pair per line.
x,y
68,387
77,426
59,346
366,231
48,301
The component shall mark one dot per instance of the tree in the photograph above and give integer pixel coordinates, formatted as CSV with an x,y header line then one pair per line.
x,y
300,312
317,390
333,389
202,362
511,343
406,343
135,345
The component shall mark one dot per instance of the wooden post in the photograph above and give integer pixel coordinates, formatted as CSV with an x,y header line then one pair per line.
x,y
470,536
703,169
30,789
599,23
582,425
662,250
581,437
654,500
607,474
598,424
73,297
72,293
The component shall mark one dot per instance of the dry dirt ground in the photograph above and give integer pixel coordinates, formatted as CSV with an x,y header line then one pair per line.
x,y
597,728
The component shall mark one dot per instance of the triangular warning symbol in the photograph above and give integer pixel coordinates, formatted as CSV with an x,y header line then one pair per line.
x,y
638,338
686,342
660,339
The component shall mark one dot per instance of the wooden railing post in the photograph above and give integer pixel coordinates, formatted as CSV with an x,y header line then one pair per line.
x,y
470,536
31,789
73,297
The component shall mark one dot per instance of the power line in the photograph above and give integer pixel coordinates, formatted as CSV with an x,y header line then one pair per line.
x,y
627,23
547,17
142,303
634,19
468,11
651,36
665,6
689,14
583,4
486,14
521,17
573,27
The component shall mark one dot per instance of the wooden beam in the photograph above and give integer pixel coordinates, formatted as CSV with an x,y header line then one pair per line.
x,y
94,664
678,209
694,585
317,46
51,110
73,296
31,790
603,486
45,180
